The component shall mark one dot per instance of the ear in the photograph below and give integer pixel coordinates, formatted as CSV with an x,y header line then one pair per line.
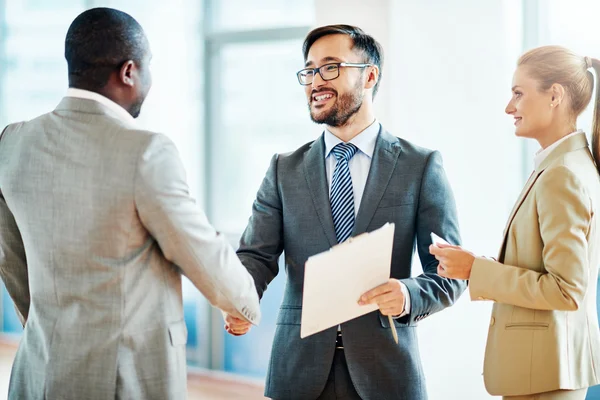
x,y
558,93
372,77
126,73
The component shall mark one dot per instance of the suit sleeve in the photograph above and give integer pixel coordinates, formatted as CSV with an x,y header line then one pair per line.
x,y
13,263
262,241
565,217
429,292
185,236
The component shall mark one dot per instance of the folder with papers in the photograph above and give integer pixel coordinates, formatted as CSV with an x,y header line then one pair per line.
x,y
334,280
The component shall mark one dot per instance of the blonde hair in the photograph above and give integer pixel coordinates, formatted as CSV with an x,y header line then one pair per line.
x,y
555,64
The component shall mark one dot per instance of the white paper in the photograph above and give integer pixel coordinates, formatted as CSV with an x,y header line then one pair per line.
x,y
334,280
435,239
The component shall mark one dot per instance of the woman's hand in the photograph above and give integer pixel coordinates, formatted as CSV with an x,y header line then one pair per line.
x,y
455,262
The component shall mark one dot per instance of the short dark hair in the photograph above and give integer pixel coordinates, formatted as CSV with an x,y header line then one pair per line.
x,y
99,41
372,50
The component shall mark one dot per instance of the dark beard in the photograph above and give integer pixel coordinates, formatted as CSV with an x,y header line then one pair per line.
x,y
135,109
344,108
146,82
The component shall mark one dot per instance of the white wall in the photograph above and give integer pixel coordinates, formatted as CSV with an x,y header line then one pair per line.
x,y
446,82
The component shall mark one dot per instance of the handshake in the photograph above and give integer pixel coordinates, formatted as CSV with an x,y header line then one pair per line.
x,y
236,326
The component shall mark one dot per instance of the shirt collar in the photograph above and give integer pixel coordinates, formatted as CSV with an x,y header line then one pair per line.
x,y
542,154
120,112
364,141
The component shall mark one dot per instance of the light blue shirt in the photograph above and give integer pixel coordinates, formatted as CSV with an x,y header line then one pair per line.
x,y
359,164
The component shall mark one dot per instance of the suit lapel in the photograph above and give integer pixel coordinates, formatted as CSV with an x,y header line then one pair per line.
x,y
316,178
516,207
385,157
571,144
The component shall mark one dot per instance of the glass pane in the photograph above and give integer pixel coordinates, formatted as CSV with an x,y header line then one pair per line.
x,y
34,71
260,14
255,116
10,322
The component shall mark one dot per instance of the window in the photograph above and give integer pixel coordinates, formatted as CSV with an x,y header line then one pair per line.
x,y
233,15
33,73
259,109
254,109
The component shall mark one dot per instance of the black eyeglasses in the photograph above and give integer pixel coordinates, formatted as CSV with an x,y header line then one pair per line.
x,y
328,72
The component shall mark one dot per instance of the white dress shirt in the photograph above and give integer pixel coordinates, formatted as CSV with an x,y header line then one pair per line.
x,y
359,170
119,111
542,154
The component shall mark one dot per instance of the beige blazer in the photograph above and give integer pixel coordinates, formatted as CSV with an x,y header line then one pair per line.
x,y
543,333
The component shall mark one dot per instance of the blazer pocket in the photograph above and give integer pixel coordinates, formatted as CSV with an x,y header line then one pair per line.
x,y
289,316
405,199
404,209
526,326
178,333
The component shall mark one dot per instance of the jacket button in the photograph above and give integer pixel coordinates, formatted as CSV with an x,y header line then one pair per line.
x,y
492,321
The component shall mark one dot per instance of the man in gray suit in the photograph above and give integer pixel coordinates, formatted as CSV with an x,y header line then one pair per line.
x,y
352,179
96,228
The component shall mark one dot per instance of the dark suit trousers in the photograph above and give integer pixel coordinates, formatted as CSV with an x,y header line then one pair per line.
x,y
339,385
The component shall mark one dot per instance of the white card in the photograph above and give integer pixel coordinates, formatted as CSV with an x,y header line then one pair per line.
x,y
435,239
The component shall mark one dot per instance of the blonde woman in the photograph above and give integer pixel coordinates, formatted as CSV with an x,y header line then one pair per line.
x,y
544,340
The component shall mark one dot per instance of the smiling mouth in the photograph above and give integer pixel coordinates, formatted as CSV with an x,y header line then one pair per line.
x,y
321,99
517,120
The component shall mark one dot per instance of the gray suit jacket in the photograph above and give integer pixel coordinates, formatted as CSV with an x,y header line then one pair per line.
x,y
96,227
406,185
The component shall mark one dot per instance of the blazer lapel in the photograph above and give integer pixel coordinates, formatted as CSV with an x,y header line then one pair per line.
x,y
385,156
316,178
516,207
574,143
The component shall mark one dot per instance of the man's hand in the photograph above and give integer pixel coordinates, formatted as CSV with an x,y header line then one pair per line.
x,y
388,297
455,262
236,326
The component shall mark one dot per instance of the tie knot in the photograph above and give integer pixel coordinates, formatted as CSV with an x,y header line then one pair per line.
x,y
344,151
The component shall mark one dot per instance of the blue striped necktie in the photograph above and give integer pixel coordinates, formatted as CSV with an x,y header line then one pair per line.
x,y
342,195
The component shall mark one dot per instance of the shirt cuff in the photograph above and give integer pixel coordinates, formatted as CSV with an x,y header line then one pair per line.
x,y
406,294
